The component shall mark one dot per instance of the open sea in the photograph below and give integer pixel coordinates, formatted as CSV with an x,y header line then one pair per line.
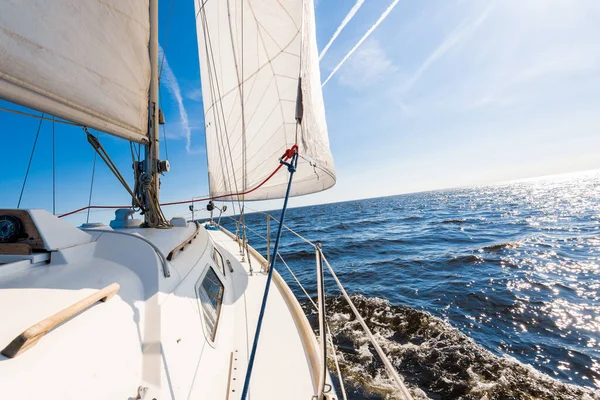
x,y
490,292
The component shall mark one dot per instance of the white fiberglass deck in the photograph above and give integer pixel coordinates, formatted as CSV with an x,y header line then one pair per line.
x,y
281,362
152,334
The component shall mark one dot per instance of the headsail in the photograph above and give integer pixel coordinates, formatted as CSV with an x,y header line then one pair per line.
x,y
254,57
84,61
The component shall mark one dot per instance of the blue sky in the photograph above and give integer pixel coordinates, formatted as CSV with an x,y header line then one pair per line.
x,y
441,94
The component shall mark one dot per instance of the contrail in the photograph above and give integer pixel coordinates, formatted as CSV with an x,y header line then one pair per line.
x,y
461,33
169,80
350,15
362,39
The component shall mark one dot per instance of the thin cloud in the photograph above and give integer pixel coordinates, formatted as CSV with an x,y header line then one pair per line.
x,y
170,82
195,94
460,34
369,65
362,39
337,32
514,88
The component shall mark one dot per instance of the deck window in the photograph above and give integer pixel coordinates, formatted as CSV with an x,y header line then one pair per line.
x,y
210,293
218,259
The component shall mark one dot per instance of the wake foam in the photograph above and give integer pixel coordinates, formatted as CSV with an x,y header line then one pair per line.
x,y
436,360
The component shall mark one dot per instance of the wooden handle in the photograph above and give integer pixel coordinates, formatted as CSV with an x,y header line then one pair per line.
x,y
32,335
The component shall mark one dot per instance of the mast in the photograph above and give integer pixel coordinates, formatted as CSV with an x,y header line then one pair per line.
x,y
153,167
152,149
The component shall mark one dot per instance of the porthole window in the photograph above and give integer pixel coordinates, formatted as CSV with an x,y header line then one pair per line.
x,y
210,293
218,259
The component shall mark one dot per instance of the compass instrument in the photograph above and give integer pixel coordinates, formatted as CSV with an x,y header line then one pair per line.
x,y
11,229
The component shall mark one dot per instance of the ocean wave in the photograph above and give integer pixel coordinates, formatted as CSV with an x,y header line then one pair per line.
x,y
468,259
385,245
436,360
353,224
454,221
501,246
299,255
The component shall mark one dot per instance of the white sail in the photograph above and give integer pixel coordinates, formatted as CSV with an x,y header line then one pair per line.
x,y
85,61
252,53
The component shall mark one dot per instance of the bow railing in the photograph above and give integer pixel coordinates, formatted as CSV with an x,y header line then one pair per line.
x,y
323,327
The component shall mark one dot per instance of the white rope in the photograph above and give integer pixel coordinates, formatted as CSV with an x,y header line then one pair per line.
x,y
391,370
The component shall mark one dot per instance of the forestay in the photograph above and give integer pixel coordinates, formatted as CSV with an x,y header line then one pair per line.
x,y
252,54
85,61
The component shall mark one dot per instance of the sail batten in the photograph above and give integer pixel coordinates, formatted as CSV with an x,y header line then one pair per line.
x,y
86,62
265,51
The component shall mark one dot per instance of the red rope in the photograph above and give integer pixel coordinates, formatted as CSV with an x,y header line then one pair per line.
x,y
286,156
89,207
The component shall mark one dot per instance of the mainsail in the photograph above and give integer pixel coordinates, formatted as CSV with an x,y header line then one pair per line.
x,y
85,61
259,66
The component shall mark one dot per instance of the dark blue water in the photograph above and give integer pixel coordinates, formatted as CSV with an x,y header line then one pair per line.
x,y
479,293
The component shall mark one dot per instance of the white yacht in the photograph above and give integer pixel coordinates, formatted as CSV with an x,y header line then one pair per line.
x,y
150,307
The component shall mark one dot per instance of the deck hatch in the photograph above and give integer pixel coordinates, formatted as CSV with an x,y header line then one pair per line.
x,y
210,292
218,259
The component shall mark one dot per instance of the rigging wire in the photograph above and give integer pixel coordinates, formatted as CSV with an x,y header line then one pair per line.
x,y
210,53
164,129
216,107
244,150
215,94
329,334
92,184
239,73
53,169
386,362
37,135
101,151
285,157
135,152
42,117
241,201
162,61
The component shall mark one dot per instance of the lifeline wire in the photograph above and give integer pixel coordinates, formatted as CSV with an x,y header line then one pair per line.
x,y
37,135
53,170
91,187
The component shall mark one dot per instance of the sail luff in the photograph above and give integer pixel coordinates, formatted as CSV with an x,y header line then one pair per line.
x,y
86,62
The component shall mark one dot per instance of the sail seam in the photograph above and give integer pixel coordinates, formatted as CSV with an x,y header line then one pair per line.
x,y
265,65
